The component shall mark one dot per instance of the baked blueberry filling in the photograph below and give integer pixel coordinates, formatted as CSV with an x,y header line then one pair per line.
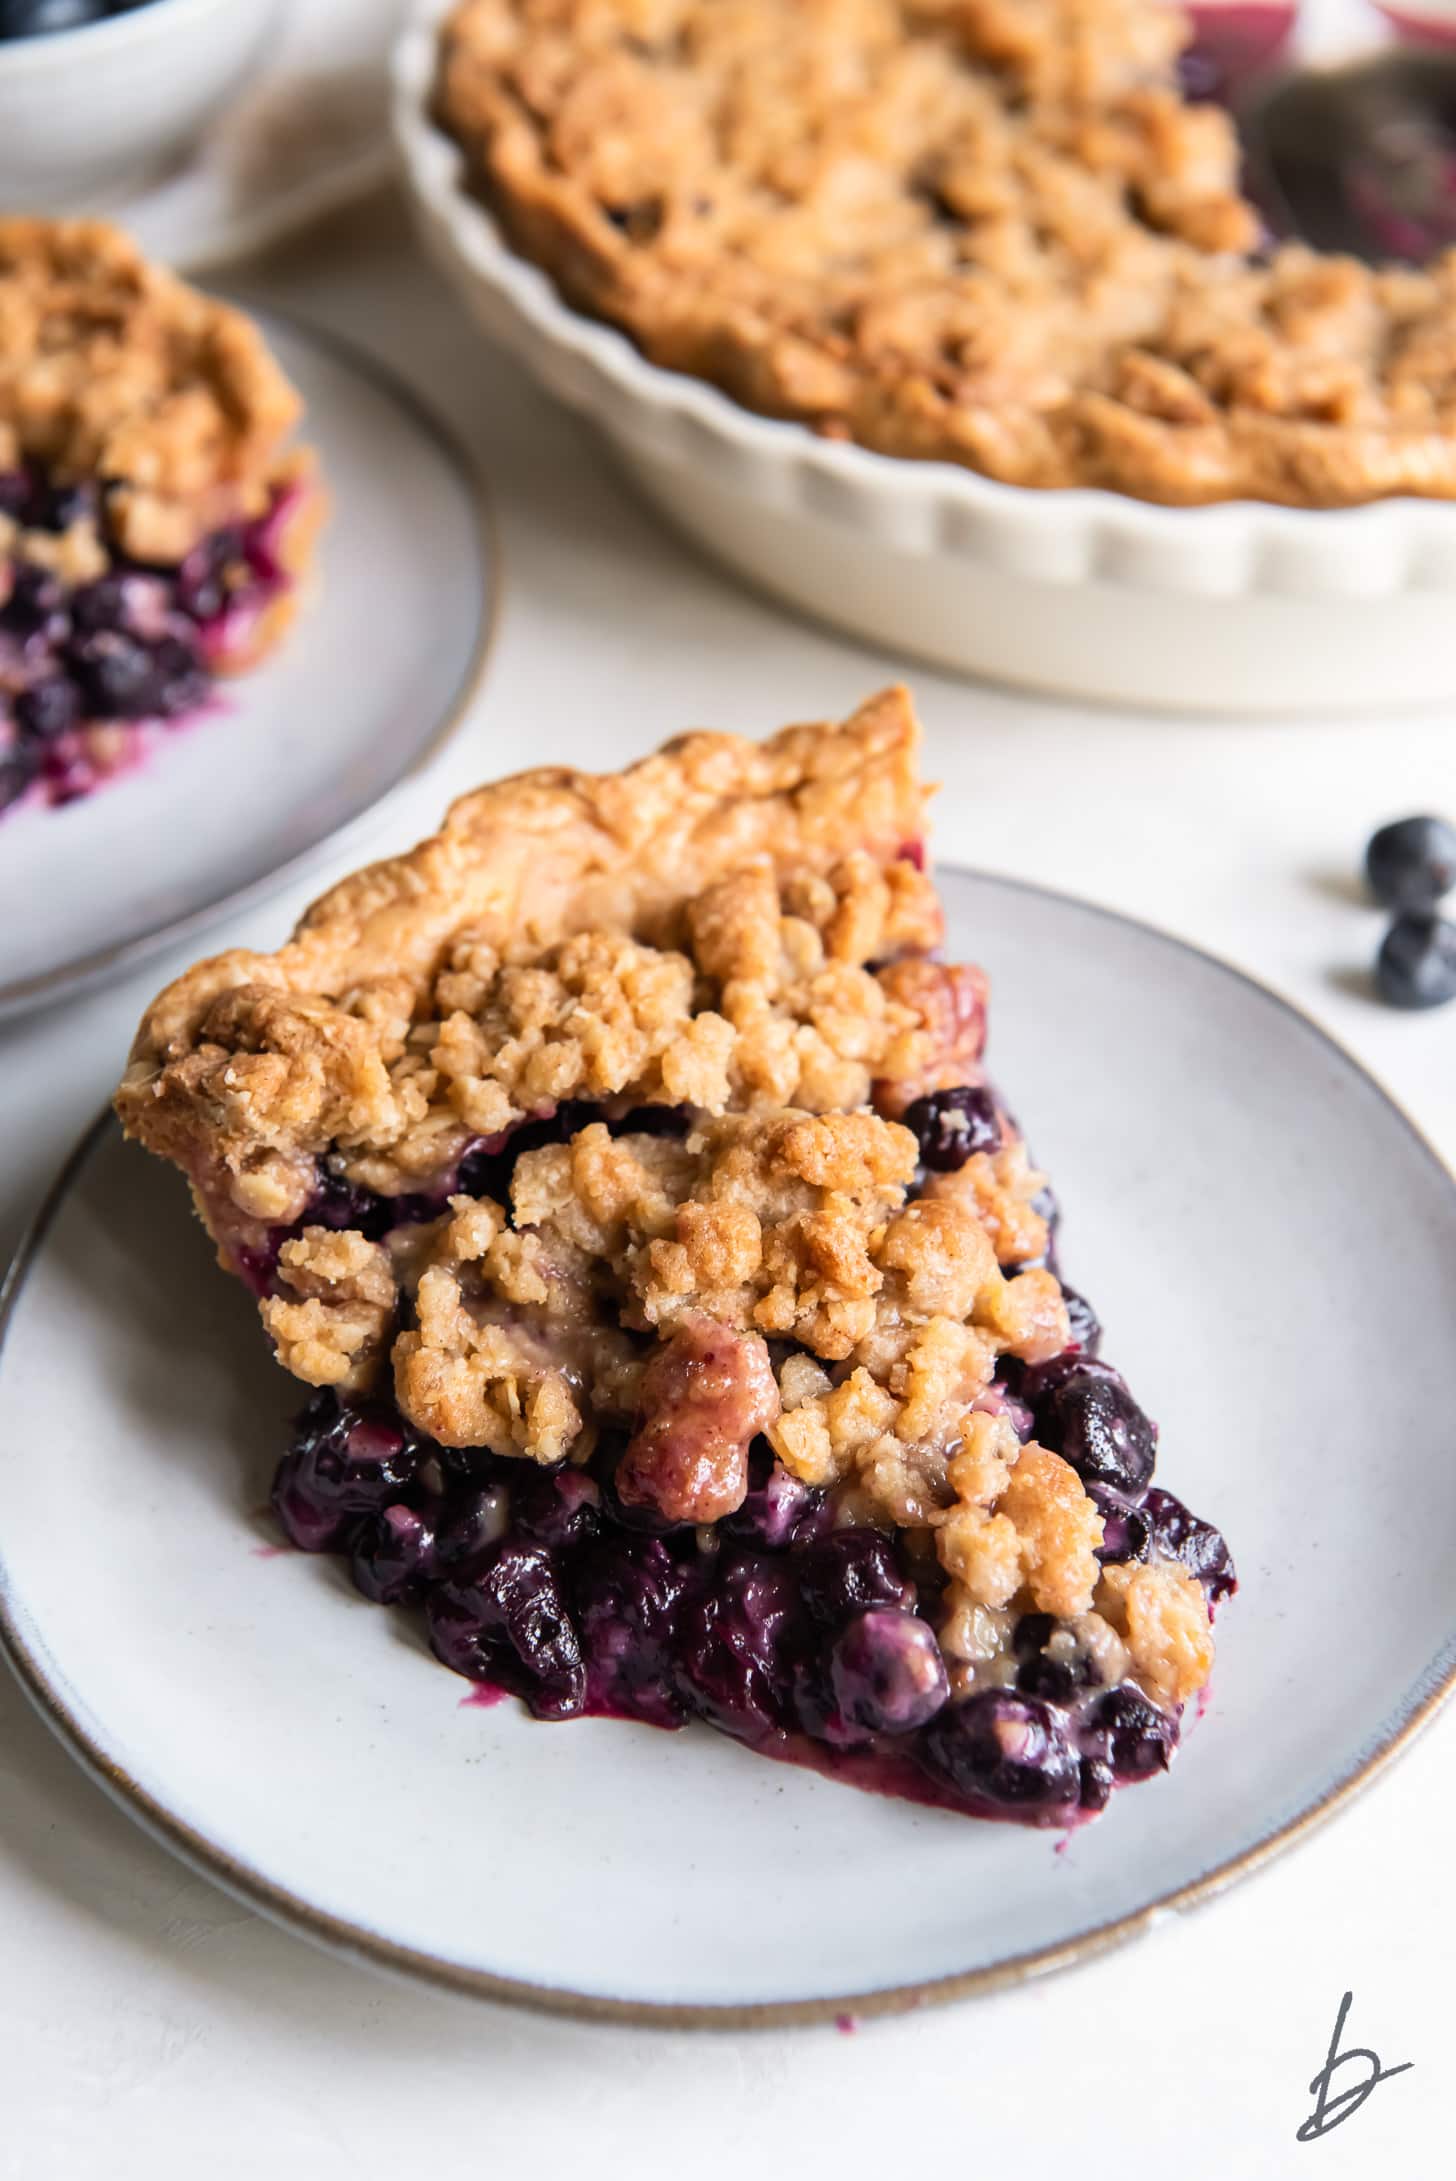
x,y
808,1642
684,1572
96,648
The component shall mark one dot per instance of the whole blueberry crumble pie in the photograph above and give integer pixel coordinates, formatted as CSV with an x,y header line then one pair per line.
x,y
680,1299
154,524
993,232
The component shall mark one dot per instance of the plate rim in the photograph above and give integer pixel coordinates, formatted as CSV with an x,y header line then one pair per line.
x,y
22,995
371,1948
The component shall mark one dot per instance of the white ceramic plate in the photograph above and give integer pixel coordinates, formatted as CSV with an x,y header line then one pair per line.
x,y
231,804
1273,1250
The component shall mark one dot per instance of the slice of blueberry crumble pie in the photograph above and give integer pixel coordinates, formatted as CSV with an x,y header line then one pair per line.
x,y
681,1301
154,523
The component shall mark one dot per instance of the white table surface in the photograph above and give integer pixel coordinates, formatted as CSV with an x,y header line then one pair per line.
x,y
151,2027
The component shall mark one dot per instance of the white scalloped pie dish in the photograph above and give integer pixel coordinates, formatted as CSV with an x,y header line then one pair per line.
x,y
1244,607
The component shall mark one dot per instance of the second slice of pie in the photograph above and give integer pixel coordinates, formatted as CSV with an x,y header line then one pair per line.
x,y
680,1300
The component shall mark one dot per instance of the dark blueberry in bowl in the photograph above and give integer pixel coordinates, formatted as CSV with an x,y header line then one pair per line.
x,y
343,1463
1177,1534
1416,965
1085,1413
14,492
953,1125
554,1506
394,1554
887,1672
627,1593
504,1618
739,1639
1007,1750
1130,1734
848,1573
1411,865
777,1506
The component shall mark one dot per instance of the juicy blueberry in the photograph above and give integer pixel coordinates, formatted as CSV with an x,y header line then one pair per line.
x,y
104,604
1085,1413
1009,1750
952,1125
554,1506
181,681
1416,965
887,1672
1125,1530
627,1592
344,1463
34,604
848,1573
1097,1784
48,708
1134,1737
473,1518
116,673
777,1506
505,1619
1086,1326
1179,1535
737,1644
1410,865
1053,1665
394,1554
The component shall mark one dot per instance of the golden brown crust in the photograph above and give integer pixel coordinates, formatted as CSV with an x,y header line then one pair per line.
x,y
988,231
112,369
516,866
737,933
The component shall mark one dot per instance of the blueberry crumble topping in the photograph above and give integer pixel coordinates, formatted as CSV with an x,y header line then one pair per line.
x,y
680,1299
153,525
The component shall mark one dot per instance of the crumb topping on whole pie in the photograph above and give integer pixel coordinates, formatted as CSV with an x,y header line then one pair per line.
x,y
988,231
635,1131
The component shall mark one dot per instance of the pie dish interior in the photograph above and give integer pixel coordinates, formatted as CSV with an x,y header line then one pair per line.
x,y
680,1298
155,522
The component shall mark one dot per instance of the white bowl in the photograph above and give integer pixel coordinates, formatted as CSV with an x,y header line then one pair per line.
x,y
87,111
1244,607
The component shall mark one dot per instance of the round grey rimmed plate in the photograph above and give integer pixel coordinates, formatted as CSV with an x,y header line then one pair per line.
x,y
302,752
1272,1248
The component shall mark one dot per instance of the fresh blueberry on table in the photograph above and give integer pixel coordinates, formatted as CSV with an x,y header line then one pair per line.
x,y
1416,965
1410,865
